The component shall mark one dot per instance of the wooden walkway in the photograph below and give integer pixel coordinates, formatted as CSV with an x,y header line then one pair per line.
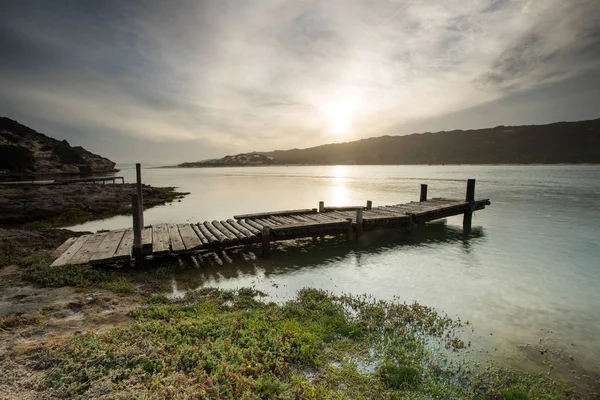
x,y
116,247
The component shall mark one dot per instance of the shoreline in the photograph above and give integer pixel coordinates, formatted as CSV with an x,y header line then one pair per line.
x,y
33,206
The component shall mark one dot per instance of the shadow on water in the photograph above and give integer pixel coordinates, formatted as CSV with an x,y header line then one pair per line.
x,y
293,256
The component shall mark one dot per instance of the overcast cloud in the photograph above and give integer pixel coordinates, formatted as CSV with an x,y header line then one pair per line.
x,y
171,81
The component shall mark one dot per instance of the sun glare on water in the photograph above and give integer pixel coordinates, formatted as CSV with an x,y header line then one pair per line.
x,y
339,116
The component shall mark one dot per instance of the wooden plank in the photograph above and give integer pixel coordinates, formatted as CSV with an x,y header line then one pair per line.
x,y
224,231
175,238
71,251
247,232
63,247
256,225
309,225
262,222
342,208
217,233
147,238
125,247
108,247
191,241
208,233
267,214
239,235
160,239
272,221
251,228
88,249
200,235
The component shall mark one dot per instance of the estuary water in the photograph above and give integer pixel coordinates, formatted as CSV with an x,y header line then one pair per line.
x,y
527,277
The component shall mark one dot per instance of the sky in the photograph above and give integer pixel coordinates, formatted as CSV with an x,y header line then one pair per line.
x,y
174,81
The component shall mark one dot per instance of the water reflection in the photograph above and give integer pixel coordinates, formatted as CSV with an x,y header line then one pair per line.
x,y
303,255
339,191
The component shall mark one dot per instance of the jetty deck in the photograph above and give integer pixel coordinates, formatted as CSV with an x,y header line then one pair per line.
x,y
119,246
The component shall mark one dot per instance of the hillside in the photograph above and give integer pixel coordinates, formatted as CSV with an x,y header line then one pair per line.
x,y
239,160
561,142
24,151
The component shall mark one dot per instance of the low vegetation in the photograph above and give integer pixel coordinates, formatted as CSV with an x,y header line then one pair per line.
x,y
230,345
38,271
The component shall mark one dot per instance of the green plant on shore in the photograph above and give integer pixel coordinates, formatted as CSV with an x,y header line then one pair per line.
x,y
38,271
222,344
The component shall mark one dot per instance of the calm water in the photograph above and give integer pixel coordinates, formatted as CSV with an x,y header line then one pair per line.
x,y
528,273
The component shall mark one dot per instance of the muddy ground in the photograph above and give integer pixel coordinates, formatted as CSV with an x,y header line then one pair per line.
x,y
48,315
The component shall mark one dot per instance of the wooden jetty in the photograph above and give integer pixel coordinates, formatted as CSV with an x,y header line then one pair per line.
x,y
112,179
123,246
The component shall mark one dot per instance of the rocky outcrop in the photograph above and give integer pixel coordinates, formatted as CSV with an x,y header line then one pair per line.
x,y
24,151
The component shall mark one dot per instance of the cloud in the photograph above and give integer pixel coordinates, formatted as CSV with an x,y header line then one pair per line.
x,y
264,74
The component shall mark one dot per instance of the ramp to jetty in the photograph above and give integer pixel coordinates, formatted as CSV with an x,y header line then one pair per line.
x,y
119,246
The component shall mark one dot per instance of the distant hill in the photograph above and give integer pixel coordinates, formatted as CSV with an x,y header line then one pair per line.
x,y
239,160
561,142
24,151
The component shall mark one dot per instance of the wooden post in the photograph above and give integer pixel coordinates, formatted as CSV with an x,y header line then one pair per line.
x,y
470,197
359,222
137,232
423,192
321,206
349,230
138,177
266,241
369,204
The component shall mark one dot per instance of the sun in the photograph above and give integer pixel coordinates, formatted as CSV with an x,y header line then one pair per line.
x,y
339,116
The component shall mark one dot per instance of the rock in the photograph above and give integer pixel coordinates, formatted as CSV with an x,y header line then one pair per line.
x,y
23,151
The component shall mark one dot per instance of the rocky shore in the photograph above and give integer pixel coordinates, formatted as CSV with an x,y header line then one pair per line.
x,y
60,205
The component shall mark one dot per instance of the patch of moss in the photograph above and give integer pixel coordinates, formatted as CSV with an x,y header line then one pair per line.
x,y
38,271
14,321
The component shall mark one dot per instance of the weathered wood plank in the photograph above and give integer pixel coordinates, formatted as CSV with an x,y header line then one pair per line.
x,y
262,222
251,228
280,228
200,235
125,247
175,238
160,239
247,232
342,208
88,249
224,231
223,239
66,256
190,239
256,225
239,235
108,247
270,213
63,247
147,238
208,233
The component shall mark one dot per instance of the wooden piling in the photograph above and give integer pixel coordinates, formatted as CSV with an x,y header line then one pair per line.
x,y
138,177
369,204
321,206
423,192
266,241
349,230
470,197
138,253
359,222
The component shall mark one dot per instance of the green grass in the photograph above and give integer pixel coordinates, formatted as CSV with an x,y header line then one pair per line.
x,y
219,344
38,271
